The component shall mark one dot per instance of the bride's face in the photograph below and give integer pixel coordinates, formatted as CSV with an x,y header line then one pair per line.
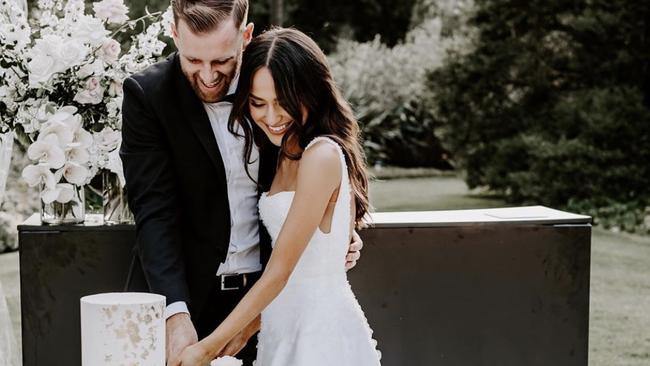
x,y
265,109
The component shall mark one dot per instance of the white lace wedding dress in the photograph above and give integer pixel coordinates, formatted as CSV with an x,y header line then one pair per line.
x,y
315,320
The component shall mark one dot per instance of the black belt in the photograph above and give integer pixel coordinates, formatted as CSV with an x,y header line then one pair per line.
x,y
238,281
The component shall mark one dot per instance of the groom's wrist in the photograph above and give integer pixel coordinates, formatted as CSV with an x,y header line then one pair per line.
x,y
176,308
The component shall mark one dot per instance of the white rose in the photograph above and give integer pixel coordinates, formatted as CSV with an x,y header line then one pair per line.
x,y
41,68
109,51
73,53
112,11
91,93
89,30
92,69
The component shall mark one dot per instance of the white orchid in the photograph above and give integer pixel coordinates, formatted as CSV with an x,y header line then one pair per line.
x,y
77,154
83,138
47,151
115,165
64,123
75,173
62,193
37,174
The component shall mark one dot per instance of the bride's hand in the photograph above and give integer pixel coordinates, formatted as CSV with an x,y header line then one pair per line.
x,y
354,251
239,341
194,355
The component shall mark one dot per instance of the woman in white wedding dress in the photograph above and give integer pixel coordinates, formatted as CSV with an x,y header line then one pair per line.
x,y
319,194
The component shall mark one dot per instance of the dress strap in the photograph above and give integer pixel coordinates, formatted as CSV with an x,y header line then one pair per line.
x,y
342,210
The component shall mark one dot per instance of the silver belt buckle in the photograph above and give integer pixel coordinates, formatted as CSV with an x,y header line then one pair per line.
x,y
223,282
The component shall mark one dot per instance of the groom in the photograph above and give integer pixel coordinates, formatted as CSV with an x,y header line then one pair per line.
x,y
199,239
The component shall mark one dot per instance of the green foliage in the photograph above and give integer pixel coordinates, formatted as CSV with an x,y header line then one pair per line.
x,y
360,20
386,87
552,104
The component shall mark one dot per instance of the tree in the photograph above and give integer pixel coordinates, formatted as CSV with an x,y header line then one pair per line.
x,y
277,12
552,105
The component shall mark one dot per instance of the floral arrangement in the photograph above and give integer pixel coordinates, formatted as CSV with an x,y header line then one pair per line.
x,y
61,74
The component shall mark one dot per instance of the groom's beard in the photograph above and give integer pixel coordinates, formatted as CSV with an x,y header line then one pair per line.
x,y
211,95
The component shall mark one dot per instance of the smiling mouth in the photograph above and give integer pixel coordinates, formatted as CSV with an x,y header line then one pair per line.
x,y
212,85
278,129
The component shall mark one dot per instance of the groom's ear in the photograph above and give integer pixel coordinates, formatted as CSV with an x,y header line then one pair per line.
x,y
248,33
174,34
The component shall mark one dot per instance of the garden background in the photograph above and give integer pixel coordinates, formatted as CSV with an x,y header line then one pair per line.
x,y
469,104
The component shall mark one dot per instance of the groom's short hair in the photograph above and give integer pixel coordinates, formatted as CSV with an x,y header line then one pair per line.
x,y
203,16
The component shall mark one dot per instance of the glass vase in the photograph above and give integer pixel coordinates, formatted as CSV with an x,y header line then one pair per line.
x,y
116,208
71,212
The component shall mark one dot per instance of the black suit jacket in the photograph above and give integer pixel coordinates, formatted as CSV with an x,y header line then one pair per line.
x,y
176,184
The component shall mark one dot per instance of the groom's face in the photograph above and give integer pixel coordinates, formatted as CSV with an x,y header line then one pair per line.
x,y
211,60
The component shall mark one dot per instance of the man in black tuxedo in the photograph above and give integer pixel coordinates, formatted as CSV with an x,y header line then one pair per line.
x,y
199,239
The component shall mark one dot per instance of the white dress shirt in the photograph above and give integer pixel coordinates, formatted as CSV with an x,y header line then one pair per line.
x,y
243,250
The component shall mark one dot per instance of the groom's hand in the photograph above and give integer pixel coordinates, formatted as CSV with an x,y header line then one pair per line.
x,y
180,334
239,341
354,251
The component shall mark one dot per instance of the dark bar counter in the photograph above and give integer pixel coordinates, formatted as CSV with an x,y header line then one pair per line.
x,y
492,287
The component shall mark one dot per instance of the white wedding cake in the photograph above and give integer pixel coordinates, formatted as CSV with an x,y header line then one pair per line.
x,y
123,329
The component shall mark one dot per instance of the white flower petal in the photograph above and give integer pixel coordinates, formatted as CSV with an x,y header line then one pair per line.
x,y
78,155
84,137
32,175
75,173
56,157
49,195
66,192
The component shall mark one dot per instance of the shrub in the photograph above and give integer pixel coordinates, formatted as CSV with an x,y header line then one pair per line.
x,y
386,87
552,103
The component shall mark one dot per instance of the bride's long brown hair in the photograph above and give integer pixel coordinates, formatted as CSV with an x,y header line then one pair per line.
x,y
302,79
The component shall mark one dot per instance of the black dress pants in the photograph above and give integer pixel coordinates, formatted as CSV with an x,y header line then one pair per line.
x,y
220,304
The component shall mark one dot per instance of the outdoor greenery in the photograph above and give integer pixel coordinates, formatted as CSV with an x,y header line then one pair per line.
x,y
552,105
542,102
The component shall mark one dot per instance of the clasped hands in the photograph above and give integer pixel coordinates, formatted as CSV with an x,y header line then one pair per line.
x,y
184,349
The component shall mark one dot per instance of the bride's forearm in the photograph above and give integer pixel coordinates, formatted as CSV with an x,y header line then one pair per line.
x,y
247,312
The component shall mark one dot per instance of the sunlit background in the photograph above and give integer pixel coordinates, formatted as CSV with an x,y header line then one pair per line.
x,y
472,104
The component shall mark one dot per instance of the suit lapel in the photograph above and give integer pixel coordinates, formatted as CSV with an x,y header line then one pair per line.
x,y
196,116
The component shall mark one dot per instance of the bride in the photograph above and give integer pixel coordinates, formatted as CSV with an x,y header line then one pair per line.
x,y
309,315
